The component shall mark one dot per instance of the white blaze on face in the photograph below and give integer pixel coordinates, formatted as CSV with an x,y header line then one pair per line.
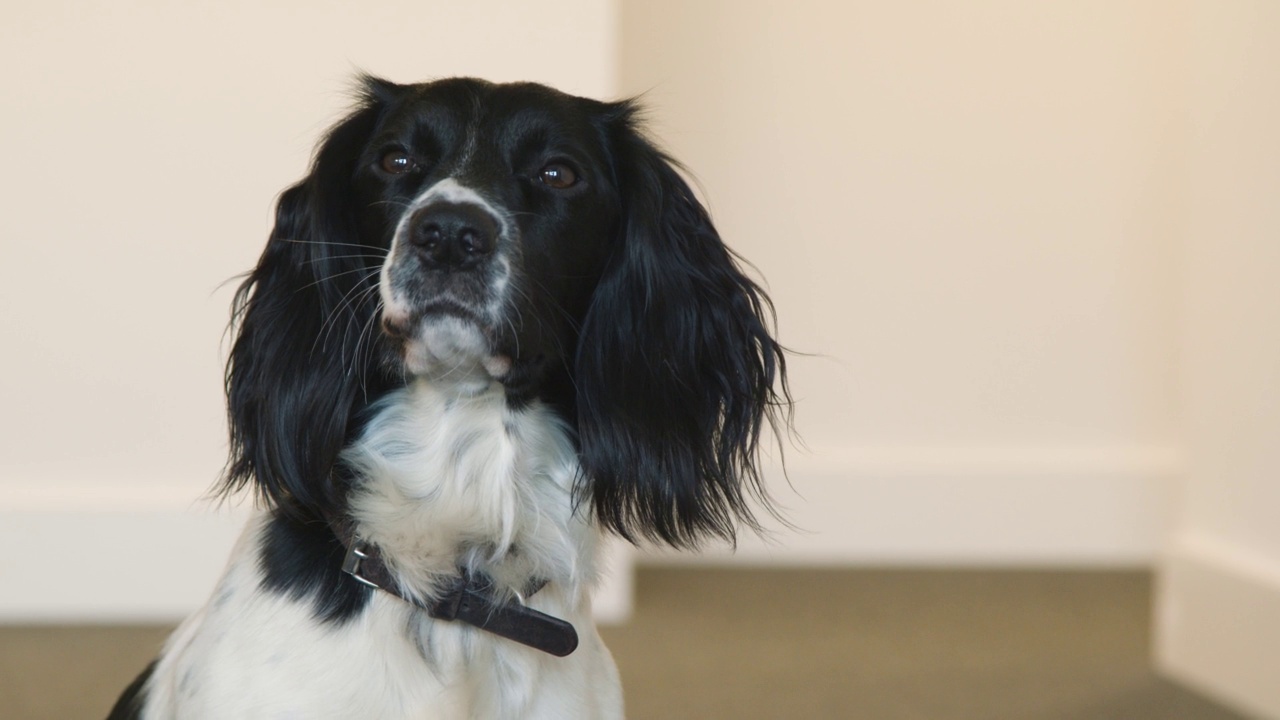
x,y
447,348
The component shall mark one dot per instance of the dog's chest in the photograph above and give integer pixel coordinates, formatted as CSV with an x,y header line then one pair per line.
x,y
447,481
442,482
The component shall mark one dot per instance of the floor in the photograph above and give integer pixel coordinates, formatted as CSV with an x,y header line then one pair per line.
x,y
874,644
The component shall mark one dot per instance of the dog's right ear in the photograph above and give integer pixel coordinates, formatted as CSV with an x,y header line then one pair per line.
x,y
305,360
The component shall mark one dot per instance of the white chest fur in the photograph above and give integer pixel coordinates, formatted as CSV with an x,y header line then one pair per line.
x,y
443,481
449,480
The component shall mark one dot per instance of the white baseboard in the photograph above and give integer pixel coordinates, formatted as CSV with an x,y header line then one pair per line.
x,y
146,554
85,565
614,598
143,553
997,507
1218,623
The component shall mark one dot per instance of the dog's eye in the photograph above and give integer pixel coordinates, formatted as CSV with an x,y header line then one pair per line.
x,y
558,176
397,162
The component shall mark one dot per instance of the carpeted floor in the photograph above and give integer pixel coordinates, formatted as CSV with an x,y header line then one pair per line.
x,y
866,644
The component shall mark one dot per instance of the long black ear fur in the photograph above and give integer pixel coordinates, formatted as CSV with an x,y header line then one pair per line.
x,y
304,363
676,368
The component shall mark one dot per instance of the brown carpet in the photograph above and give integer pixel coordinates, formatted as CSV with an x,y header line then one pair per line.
x,y
872,644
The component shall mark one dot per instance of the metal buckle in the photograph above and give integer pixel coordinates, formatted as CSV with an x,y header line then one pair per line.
x,y
357,553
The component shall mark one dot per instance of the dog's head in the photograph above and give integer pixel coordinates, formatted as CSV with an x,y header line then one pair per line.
x,y
466,233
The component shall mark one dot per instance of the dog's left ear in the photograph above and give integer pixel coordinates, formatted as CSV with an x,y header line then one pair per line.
x,y
304,365
676,369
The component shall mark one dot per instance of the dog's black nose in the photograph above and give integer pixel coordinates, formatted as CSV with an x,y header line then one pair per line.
x,y
454,235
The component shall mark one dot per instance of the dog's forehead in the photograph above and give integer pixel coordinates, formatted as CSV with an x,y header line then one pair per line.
x,y
466,106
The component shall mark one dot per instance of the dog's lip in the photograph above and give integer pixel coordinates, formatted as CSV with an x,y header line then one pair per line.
x,y
498,365
450,307
401,325
397,328
402,328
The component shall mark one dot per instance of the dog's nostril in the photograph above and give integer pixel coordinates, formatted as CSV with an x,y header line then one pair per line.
x,y
428,236
476,243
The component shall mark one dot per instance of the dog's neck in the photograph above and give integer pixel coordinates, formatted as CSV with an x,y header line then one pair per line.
x,y
448,479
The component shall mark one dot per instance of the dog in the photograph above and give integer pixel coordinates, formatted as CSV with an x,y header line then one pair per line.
x,y
490,327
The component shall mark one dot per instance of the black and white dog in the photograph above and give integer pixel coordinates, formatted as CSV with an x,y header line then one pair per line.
x,y
492,324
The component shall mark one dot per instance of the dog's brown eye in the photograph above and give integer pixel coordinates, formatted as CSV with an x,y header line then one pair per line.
x,y
558,176
397,162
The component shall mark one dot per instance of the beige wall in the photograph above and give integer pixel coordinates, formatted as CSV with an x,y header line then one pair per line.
x,y
970,212
1038,245
1219,608
142,144
967,211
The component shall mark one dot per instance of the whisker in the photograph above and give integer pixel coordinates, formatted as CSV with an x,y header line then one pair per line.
x,y
356,359
354,302
327,278
356,293
343,257
515,335
398,203
384,251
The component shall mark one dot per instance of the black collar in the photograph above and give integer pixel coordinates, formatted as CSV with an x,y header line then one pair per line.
x,y
469,599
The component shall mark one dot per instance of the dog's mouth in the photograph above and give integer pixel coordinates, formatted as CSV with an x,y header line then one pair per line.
x,y
447,342
403,326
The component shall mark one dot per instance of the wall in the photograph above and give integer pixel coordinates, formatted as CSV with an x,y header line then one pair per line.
x,y
968,213
144,143
1219,607
965,212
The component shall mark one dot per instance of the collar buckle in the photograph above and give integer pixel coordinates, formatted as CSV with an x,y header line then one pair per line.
x,y
357,553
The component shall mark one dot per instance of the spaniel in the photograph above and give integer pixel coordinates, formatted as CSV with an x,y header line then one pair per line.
x,y
491,326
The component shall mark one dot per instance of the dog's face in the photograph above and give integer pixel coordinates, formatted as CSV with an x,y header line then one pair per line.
x,y
498,207
481,235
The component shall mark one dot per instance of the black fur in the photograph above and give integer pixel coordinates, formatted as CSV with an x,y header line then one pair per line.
x,y
133,699
304,560
305,363
676,367
636,322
